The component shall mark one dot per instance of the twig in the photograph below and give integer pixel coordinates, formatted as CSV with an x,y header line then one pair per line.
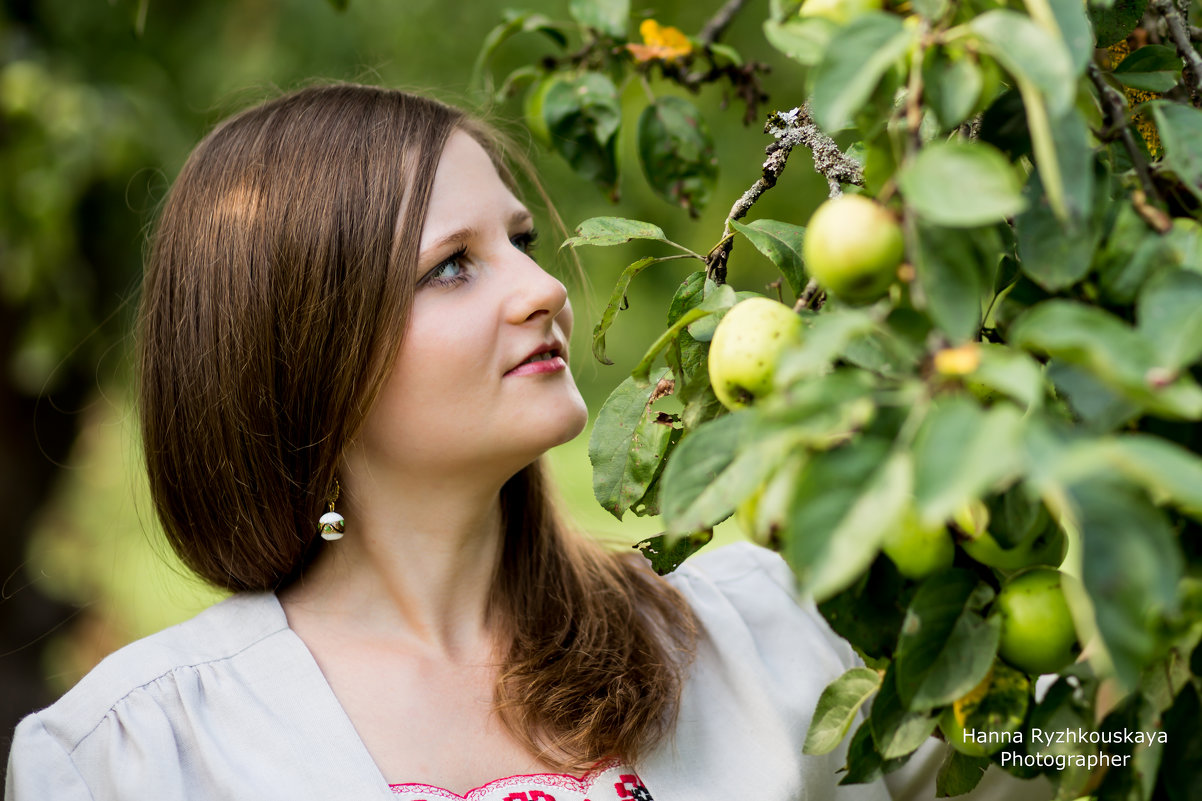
x,y
789,129
1179,31
811,291
718,23
1152,215
1114,107
914,92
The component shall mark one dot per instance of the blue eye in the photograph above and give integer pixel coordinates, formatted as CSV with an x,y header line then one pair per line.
x,y
449,272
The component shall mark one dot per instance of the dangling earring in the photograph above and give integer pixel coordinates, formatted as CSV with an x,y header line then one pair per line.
x,y
331,523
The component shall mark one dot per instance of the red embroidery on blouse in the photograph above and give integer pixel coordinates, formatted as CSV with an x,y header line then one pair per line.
x,y
628,786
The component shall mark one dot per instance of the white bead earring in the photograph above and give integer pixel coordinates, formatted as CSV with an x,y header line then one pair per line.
x,y
331,525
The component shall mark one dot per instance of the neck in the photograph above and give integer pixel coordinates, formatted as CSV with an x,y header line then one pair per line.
x,y
416,566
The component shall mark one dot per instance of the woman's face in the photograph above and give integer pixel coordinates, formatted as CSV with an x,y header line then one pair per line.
x,y
464,394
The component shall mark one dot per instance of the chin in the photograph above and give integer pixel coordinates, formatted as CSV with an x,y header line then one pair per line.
x,y
568,421
556,426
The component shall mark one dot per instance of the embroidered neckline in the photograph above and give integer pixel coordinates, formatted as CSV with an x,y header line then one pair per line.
x,y
540,781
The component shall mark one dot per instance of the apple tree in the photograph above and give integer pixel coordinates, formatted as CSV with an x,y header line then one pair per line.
x,y
979,446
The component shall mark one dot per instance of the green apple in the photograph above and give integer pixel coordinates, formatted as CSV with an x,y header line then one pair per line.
x,y
1038,635
746,346
839,12
917,550
853,247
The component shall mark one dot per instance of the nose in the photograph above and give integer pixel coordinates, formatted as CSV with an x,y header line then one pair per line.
x,y
536,293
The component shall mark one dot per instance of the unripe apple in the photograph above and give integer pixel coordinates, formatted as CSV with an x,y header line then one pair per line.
x,y
1038,635
839,12
853,247
746,346
918,551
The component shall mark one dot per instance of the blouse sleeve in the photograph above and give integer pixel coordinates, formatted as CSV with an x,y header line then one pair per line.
x,y
777,654
40,769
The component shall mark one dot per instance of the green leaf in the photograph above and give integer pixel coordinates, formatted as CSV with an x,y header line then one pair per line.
x,y
999,713
1010,372
1129,578
843,504
1058,253
961,185
896,729
1076,30
826,339
722,298
1132,252
747,472
725,52
1168,471
607,16
648,505
961,452
1180,128
668,553
856,58
1027,51
951,86
952,279
869,614
626,446
1152,68
837,708
1095,406
513,24
582,116
677,153
864,762
605,231
700,459
803,39
689,294
959,773
780,243
1078,174
1114,23
821,412
1180,777
932,10
1169,315
616,301
946,646
1110,350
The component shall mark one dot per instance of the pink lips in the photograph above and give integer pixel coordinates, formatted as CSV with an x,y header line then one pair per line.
x,y
553,365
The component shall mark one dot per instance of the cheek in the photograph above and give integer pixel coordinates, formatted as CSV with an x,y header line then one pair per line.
x,y
442,351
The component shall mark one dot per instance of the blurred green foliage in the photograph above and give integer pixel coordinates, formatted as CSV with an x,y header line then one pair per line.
x,y
100,104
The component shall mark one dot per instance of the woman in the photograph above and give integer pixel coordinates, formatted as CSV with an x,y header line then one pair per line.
x,y
341,315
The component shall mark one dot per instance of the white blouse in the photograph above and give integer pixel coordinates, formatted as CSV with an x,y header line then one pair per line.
x,y
231,705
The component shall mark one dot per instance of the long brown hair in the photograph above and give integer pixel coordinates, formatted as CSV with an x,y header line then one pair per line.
x,y
279,279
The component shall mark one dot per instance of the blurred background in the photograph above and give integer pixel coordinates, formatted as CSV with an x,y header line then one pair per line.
x,y
100,103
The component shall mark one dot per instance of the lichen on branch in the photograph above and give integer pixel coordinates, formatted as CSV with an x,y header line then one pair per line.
x,y
788,130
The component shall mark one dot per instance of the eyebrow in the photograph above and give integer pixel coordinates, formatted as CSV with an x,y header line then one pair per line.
x,y
462,235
